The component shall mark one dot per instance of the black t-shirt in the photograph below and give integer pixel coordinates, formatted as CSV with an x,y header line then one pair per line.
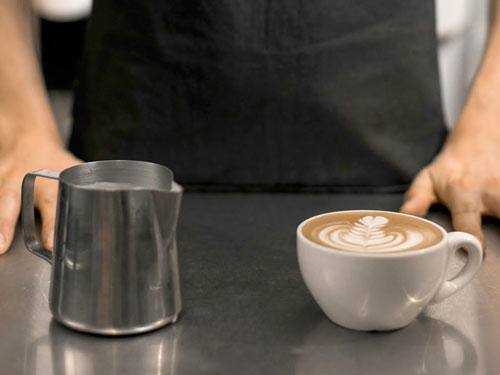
x,y
266,94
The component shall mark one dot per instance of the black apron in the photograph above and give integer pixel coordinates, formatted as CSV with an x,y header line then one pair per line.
x,y
263,94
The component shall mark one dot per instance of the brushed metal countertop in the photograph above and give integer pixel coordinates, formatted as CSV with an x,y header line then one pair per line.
x,y
246,309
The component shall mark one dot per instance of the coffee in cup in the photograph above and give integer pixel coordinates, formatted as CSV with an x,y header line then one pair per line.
x,y
377,270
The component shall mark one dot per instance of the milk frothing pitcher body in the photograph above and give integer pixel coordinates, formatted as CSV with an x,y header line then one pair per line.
x,y
114,263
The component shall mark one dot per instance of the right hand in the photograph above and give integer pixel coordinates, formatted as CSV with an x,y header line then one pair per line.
x,y
26,155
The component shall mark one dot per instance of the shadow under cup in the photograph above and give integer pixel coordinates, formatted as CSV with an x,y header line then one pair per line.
x,y
382,290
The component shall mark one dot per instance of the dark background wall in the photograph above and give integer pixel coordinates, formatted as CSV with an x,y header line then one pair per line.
x,y
61,49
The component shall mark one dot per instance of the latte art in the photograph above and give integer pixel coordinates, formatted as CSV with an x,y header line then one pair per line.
x,y
371,232
368,234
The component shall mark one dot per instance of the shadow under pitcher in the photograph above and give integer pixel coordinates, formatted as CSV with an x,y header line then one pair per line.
x,y
114,263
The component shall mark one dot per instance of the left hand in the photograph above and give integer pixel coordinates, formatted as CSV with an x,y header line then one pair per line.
x,y
465,177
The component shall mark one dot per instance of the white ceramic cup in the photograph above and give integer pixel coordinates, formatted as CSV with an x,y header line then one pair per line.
x,y
383,291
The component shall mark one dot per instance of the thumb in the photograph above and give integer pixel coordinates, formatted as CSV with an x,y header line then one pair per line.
x,y
420,196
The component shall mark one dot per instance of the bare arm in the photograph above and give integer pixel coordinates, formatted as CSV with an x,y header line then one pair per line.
x,y
482,110
29,138
465,176
24,107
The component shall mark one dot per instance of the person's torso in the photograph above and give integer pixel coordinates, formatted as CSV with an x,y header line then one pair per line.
x,y
264,93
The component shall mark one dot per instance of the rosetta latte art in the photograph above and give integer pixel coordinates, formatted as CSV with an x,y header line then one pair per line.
x,y
369,233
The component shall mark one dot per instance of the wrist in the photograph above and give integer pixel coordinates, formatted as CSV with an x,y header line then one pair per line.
x,y
23,132
24,113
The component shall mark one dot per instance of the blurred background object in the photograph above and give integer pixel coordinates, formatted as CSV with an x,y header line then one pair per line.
x,y
461,25
462,30
62,10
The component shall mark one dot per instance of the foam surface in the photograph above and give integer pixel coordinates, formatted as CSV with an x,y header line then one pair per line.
x,y
372,232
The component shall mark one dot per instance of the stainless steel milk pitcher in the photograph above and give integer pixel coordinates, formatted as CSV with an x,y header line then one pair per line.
x,y
114,263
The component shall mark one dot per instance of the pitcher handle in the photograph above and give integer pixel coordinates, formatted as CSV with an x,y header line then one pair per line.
x,y
30,234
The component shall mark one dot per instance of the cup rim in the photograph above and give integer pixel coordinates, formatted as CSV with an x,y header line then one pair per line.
x,y
389,254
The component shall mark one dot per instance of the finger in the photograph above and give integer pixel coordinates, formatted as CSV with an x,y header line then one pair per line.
x,y
465,207
10,206
491,201
46,203
420,196
469,222
48,222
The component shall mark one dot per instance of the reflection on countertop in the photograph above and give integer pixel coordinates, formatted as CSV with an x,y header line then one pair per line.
x,y
427,346
65,352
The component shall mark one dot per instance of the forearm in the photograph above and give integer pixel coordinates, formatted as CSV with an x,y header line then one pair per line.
x,y
481,114
24,106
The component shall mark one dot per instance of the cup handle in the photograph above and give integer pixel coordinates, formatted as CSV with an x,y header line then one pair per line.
x,y
31,238
471,244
